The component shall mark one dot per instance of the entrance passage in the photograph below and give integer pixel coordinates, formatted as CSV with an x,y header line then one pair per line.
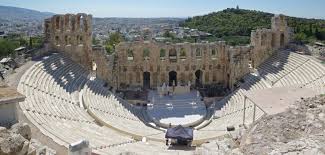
x,y
172,78
146,80
198,80
282,40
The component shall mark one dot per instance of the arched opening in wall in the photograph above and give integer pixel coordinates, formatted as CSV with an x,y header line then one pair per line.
x,y
263,39
73,23
282,40
146,54
57,41
146,80
47,28
183,53
81,23
70,22
47,32
273,40
213,54
67,22
198,78
172,78
57,23
80,40
198,53
67,40
173,55
85,25
162,54
130,55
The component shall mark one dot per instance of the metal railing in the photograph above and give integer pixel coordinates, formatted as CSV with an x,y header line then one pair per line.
x,y
245,108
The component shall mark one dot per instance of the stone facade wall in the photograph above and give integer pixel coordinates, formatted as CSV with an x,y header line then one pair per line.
x,y
150,64
240,59
159,60
266,41
71,35
104,64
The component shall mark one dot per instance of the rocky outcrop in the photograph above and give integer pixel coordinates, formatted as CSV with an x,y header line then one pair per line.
x,y
13,141
17,141
22,129
299,130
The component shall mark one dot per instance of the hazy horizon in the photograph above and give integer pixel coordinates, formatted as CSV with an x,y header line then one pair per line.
x,y
169,8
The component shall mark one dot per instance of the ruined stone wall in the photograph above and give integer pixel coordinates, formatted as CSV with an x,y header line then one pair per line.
x,y
152,63
266,41
159,59
238,63
71,35
104,64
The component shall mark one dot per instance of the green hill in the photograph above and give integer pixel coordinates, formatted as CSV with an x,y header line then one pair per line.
x,y
235,25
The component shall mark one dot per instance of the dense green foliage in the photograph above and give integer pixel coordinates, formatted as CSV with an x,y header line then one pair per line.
x,y
13,41
114,39
230,22
95,41
7,47
235,25
307,30
36,42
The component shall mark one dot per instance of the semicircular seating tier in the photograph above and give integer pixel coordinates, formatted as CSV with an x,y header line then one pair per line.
x,y
64,106
51,87
282,69
117,113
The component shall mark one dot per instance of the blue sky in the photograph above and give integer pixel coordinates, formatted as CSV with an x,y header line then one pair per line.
x,y
170,8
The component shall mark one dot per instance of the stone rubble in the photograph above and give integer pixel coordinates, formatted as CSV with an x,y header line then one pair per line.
x,y
17,141
299,130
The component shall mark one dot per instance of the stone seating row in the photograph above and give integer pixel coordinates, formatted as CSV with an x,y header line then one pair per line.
x,y
109,109
280,64
295,69
50,105
310,74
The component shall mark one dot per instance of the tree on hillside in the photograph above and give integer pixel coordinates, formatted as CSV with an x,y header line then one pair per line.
x,y
232,24
7,47
95,41
114,39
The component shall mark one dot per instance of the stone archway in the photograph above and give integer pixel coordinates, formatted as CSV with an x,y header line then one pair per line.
x,y
282,40
146,80
172,78
198,78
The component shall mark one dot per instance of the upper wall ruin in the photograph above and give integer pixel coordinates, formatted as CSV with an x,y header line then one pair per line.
x,y
265,41
137,63
72,35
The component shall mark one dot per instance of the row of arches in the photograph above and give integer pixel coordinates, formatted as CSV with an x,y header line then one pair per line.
x,y
273,41
71,22
172,53
172,79
69,40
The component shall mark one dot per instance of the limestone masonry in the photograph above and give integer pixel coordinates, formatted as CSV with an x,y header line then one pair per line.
x,y
150,64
